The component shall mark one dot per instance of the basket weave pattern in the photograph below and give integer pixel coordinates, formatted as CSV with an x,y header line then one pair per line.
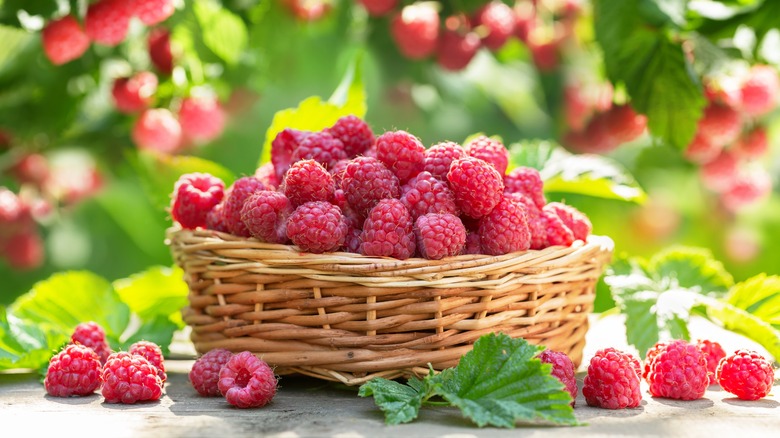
x,y
348,318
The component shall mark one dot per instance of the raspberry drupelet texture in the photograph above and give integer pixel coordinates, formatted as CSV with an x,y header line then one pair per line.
x,y
307,181
194,195
130,378
354,133
746,374
321,147
64,40
215,220
556,231
246,381
353,240
91,334
477,185
366,181
439,235
526,181
575,220
267,174
536,225
388,231
679,371
107,21
612,381
73,371
282,148
317,227
489,150
562,369
402,153
153,353
438,158
265,215
505,228
652,352
425,194
204,375
714,352
238,193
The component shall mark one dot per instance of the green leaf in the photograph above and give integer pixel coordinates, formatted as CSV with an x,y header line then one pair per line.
x,y
742,322
692,268
400,403
157,292
664,12
760,296
158,329
224,33
13,39
26,345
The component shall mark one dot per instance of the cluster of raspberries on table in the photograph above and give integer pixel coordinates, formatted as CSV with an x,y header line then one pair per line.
x,y
242,378
87,363
344,189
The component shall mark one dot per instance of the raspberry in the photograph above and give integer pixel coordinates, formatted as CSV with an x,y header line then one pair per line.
x,y
753,144
267,174
202,119
282,148
679,371
491,151
157,130
562,369
130,378
439,235
307,10
388,231
11,207
748,187
721,173
354,133
151,12
595,139
317,227
612,381
402,153
265,214
366,181
91,334
31,169
246,381
23,251
576,106
415,30
159,44
713,352
321,147
64,40
505,228
379,8
556,231
760,90
473,244
238,193
457,49
107,21
426,194
526,181
724,90
352,240
204,374
438,158
526,19
746,374
215,220
701,151
575,220
194,195
499,19
477,185
536,225
135,93
544,54
337,172
73,371
307,181
624,123
151,352
720,125
652,352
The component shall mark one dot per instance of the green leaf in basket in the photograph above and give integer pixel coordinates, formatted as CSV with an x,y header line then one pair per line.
x,y
400,403
158,291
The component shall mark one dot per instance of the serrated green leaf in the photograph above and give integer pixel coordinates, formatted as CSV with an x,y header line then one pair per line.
x,y
692,268
157,328
224,33
400,403
157,292
26,345
760,296
742,322
664,12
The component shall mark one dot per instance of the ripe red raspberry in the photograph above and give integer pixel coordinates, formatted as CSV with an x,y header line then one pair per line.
x,y
73,371
215,219
426,194
701,151
457,49
556,231
652,352
477,185
107,21
544,53
473,243
11,207
415,30
612,381
321,147
282,148
721,173
438,158
491,151
575,220
354,133
679,371
624,123
204,374
352,240
402,153
151,12
130,378
153,353
526,181
64,40
724,90
719,124
499,19
194,195
160,53
595,139
439,235
505,228
238,193
307,181
202,119
135,93
246,381
562,369
753,144
526,19
317,227
31,169
91,334
265,214
748,188
23,251
388,231
713,352
536,225
379,8
267,174
760,90
746,374
308,10
366,181
157,130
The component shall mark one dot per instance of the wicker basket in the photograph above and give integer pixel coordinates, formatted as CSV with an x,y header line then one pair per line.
x,y
348,318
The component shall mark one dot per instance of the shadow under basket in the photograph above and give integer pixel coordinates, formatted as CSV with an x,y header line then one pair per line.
x,y
349,318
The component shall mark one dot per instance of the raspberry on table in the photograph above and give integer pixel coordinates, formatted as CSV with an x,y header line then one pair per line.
x,y
265,214
130,378
204,374
107,21
91,334
713,352
526,181
505,229
151,12
282,148
74,371
307,181
415,30
156,129
354,133
438,158
491,151
134,93
679,371
439,235
612,381
321,147
575,220
388,231
366,181
153,353
457,49
562,369
64,40
477,185
246,381
194,196
556,231
215,220
652,352
746,374
499,19
202,118
159,45
238,193
426,194
317,227
760,90
402,153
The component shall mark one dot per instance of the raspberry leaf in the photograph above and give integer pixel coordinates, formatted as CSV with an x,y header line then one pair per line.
x,y
692,268
400,403
224,33
759,295
25,344
158,291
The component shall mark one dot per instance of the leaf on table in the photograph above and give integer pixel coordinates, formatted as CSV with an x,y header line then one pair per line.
x,y
157,291
400,403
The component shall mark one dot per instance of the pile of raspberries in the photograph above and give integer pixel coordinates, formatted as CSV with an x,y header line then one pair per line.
x,y
343,189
